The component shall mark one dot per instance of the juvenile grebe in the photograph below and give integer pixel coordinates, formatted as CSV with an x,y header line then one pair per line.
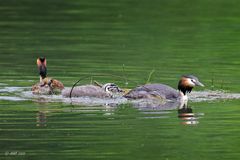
x,y
46,85
107,90
185,85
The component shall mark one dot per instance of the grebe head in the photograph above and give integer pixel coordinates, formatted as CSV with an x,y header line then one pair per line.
x,y
42,67
111,88
187,82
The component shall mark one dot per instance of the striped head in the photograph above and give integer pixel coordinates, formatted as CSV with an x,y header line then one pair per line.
x,y
112,88
187,82
42,67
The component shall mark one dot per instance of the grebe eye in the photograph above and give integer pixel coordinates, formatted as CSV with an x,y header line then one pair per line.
x,y
193,80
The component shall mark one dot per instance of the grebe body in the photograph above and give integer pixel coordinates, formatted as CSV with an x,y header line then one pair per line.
x,y
152,91
185,85
108,90
47,85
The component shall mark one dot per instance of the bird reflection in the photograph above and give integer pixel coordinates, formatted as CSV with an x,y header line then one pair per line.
x,y
185,113
150,109
41,119
155,104
41,116
188,117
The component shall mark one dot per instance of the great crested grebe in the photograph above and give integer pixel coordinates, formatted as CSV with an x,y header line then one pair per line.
x,y
108,90
185,85
46,85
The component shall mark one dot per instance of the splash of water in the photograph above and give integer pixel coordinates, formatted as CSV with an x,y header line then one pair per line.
x,y
24,93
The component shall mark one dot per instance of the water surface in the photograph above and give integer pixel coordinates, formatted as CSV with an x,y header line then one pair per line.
x,y
128,38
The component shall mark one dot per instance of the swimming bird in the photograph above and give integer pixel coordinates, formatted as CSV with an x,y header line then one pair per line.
x,y
165,92
108,90
46,85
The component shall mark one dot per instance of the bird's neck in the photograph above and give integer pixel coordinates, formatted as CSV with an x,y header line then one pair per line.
x,y
42,72
183,99
183,95
42,78
184,89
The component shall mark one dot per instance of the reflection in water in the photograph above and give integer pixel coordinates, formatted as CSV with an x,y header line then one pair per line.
x,y
41,116
148,110
41,119
155,109
155,114
155,104
188,117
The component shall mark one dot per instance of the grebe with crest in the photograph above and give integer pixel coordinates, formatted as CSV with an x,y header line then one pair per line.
x,y
162,91
46,85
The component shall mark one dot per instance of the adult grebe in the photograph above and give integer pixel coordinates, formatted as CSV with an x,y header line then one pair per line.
x,y
185,85
46,85
108,90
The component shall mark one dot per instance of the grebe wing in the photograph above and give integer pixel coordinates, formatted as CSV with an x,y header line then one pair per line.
x,y
150,90
85,91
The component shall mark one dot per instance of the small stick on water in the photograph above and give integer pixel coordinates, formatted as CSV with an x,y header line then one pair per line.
x,y
212,86
124,74
222,82
97,83
70,95
91,80
150,76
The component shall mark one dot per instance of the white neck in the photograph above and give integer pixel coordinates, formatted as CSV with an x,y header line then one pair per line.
x,y
183,99
41,79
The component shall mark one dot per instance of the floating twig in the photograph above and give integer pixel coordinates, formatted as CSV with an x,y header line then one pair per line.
x,y
150,76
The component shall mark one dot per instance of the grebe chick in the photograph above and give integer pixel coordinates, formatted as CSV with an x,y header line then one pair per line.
x,y
46,85
185,85
107,90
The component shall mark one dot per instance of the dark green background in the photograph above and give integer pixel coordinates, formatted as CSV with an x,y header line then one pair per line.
x,y
81,38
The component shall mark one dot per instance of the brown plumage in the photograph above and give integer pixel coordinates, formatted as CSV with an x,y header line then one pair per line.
x,y
46,85
187,82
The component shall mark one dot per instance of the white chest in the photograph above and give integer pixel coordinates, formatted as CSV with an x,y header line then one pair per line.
x,y
183,100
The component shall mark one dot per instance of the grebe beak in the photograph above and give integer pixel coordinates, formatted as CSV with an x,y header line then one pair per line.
x,y
199,84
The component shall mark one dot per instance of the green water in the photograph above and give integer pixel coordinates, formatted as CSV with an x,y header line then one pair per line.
x,y
129,38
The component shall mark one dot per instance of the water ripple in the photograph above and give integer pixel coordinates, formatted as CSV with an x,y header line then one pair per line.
x,y
24,93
